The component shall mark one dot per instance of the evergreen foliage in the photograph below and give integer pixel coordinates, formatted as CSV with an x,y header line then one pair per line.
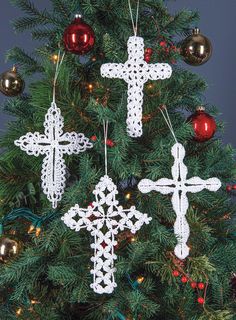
x,y
54,267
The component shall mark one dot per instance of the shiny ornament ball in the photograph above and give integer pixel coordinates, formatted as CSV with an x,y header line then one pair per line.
x,y
196,49
79,37
193,285
201,286
184,279
175,273
203,124
8,249
149,51
200,300
11,83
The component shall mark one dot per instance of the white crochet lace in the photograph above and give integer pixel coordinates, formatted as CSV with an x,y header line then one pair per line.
x,y
179,186
135,71
104,219
53,144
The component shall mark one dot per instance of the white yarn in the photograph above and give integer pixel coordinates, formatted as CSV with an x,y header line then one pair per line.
x,y
179,186
53,144
135,71
104,219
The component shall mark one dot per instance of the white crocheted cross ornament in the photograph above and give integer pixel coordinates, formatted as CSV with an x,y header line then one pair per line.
x,y
179,186
104,219
135,71
53,144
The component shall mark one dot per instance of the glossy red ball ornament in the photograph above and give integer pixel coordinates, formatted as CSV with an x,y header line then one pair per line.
x,y
147,58
175,273
203,124
193,284
201,286
79,37
200,300
149,51
184,279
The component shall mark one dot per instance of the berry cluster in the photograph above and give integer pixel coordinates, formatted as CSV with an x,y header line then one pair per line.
x,y
231,187
164,48
193,284
110,143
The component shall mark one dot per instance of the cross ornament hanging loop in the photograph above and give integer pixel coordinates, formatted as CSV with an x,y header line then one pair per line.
x,y
53,144
104,219
135,72
179,186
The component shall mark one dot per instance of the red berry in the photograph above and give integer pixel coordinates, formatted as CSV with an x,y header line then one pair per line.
x,y
163,43
200,300
103,244
167,50
149,51
93,138
110,143
228,188
193,285
234,187
147,57
175,273
91,205
201,286
184,279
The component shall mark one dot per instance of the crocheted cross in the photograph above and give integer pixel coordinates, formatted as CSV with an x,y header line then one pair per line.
x,y
135,71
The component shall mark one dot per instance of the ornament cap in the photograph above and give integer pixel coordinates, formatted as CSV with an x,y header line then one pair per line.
x,y
200,108
196,30
78,16
14,69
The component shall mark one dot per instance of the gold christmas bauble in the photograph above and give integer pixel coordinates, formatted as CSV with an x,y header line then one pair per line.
x,y
196,49
8,249
11,83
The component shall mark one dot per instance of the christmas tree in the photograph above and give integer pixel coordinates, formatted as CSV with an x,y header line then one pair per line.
x,y
169,252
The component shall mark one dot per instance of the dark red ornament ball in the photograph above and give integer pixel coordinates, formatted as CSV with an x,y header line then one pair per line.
x,y
175,273
200,300
193,284
201,286
79,37
149,51
184,279
93,138
203,124
147,58
228,188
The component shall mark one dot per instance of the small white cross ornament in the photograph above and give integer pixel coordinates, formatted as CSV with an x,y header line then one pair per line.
x,y
53,144
135,71
104,219
179,186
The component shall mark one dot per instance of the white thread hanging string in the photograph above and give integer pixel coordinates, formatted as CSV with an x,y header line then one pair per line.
x,y
168,121
105,130
58,65
135,26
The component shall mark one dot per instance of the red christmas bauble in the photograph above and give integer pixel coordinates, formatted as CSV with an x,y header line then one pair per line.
x,y
184,279
147,57
193,285
201,286
175,273
204,125
200,300
79,37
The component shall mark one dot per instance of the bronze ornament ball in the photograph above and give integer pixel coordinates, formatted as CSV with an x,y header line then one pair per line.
x,y
8,249
11,83
196,49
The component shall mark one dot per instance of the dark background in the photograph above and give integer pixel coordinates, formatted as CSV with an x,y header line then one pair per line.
x,y
217,22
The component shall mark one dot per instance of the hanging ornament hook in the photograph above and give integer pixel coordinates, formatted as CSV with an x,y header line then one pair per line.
x,y
166,116
135,25
58,66
105,130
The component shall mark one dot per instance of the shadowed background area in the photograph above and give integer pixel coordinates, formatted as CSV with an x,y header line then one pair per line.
x,y
217,22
